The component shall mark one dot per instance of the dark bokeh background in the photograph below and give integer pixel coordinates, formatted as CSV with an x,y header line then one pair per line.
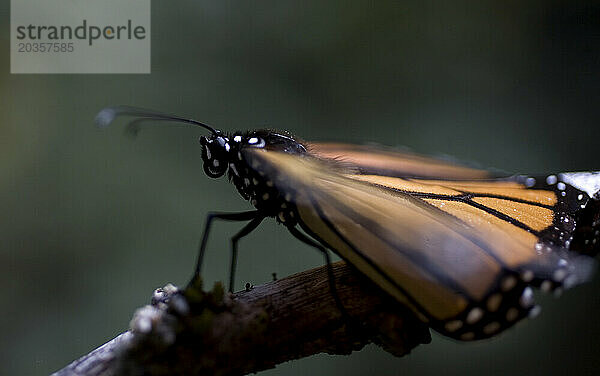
x,y
91,221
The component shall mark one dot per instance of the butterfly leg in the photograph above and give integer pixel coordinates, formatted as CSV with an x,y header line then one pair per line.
x,y
306,240
234,249
236,217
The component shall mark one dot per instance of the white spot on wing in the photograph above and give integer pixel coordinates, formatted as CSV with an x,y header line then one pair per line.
x,y
589,182
491,328
559,275
562,262
475,315
493,302
512,314
527,276
526,299
535,311
546,286
508,283
453,325
570,281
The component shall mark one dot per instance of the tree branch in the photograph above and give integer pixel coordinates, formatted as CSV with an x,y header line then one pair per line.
x,y
191,332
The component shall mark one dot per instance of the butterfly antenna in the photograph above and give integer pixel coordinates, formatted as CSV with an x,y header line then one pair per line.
x,y
107,115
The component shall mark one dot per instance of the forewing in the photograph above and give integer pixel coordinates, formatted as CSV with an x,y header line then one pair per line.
x,y
468,278
547,207
379,160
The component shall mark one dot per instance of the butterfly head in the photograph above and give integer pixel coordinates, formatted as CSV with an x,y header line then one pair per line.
x,y
220,151
216,154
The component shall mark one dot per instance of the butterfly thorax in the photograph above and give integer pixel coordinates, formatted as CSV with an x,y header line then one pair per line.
x,y
226,154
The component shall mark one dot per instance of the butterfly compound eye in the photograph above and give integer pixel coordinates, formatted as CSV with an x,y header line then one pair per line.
x,y
214,156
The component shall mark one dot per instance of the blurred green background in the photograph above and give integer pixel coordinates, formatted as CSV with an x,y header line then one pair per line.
x,y
93,221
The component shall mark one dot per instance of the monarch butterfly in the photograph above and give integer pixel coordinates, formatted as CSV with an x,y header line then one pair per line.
x,y
460,246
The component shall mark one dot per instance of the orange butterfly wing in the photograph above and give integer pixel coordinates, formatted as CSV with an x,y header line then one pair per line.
x,y
468,278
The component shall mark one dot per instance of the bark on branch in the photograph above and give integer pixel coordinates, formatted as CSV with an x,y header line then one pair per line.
x,y
191,332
